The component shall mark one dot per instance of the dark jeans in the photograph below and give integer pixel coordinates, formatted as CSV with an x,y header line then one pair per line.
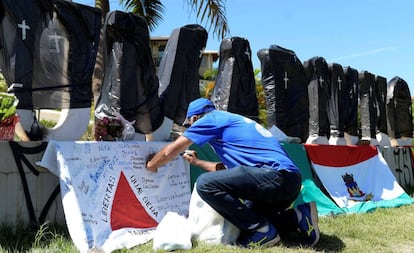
x,y
249,196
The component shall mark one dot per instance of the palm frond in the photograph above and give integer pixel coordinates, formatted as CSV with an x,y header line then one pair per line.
x,y
151,10
212,12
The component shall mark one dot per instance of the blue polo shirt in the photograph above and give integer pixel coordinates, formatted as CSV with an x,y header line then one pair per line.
x,y
238,140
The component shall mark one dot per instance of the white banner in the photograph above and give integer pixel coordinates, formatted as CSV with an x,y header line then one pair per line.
x,y
109,198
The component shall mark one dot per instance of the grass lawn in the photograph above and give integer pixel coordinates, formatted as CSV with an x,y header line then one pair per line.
x,y
384,230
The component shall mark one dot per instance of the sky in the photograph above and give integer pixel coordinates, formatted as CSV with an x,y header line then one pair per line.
x,y
369,35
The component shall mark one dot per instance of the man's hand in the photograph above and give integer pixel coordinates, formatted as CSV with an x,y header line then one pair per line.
x,y
149,157
190,156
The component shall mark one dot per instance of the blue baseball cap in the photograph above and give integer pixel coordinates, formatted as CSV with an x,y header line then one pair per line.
x,y
199,106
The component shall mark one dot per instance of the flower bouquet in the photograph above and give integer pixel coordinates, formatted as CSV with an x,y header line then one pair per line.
x,y
108,129
8,117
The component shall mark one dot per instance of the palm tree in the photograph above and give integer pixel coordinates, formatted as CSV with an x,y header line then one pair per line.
x,y
211,12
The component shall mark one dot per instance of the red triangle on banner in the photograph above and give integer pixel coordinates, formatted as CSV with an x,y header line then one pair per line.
x,y
127,211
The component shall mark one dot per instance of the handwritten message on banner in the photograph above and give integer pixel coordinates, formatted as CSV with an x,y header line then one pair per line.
x,y
109,198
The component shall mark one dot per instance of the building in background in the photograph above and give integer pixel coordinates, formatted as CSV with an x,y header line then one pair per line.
x,y
158,44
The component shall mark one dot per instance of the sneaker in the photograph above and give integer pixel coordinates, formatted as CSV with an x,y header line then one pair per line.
x,y
257,239
308,224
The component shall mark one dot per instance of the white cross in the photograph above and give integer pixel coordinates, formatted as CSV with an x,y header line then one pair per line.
x,y
24,27
56,38
201,53
321,81
339,82
286,79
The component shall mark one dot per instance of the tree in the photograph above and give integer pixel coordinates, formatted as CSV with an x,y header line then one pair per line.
x,y
211,12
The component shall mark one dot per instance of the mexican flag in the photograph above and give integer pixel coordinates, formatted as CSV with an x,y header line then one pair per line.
x,y
357,178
